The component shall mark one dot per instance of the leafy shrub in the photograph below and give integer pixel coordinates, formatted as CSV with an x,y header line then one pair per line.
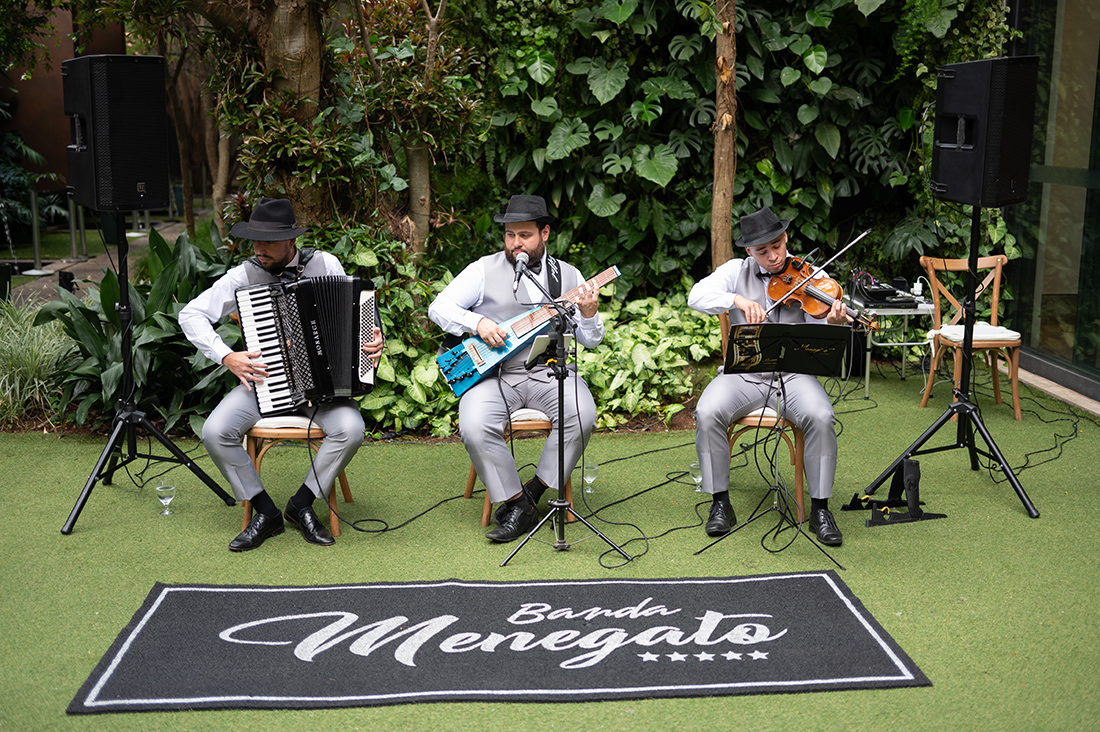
x,y
649,359
31,363
171,378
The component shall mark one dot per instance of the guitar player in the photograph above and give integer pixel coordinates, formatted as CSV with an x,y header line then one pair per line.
x,y
487,292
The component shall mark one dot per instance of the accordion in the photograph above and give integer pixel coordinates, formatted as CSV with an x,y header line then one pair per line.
x,y
311,334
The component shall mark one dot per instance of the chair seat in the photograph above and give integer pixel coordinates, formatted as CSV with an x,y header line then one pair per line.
x,y
527,414
982,332
286,421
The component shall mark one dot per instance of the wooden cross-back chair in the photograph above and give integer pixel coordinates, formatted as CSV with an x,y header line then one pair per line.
x,y
767,419
989,338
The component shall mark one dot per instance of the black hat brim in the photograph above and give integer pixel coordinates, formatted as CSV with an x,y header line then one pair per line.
x,y
243,230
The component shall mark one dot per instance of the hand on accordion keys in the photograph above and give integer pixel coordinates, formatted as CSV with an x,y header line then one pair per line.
x,y
374,348
246,366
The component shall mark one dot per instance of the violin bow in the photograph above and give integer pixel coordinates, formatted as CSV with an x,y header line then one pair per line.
x,y
817,271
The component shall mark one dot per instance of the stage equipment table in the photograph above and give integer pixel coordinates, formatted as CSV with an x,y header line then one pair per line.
x,y
924,307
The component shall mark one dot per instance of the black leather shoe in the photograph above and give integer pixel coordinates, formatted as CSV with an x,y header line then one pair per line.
x,y
258,529
823,524
514,520
721,516
533,489
306,521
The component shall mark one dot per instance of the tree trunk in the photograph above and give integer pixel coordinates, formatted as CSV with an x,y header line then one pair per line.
x,y
217,162
725,137
289,35
290,39
417,154
420,194
183,133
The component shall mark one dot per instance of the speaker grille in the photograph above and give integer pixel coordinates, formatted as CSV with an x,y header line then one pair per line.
x,y
126,141
984,121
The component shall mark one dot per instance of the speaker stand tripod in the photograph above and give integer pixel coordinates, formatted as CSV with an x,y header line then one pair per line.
x,y
121,447
969,419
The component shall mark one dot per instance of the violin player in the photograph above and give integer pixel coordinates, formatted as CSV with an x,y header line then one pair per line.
x,y
740,286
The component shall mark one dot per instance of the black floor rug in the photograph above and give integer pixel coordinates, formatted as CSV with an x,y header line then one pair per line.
x,y
210,647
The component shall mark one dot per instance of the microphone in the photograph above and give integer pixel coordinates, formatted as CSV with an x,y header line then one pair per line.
x,y
521,265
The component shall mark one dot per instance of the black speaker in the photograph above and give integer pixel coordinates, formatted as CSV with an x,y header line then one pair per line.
x,y
985,117
118,154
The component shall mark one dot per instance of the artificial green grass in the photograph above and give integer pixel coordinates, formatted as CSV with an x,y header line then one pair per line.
x,y
999,610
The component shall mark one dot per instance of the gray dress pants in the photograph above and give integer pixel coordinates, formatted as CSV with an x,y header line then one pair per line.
x,y
225,428
731,396
483,415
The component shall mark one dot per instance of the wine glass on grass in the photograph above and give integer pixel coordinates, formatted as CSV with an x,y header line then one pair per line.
x,y
697,476
165,494
590,471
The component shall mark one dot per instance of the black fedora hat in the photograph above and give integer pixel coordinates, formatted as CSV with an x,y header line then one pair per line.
x,y
272,220
761,227
525,208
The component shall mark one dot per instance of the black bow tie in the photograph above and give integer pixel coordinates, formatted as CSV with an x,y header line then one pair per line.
x,y
535,267
763,274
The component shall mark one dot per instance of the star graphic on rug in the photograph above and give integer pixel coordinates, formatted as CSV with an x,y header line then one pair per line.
x,y
676,656
704,656
731,656
757,655
648,656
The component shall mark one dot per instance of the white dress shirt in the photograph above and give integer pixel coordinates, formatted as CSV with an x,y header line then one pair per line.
x,y
452,308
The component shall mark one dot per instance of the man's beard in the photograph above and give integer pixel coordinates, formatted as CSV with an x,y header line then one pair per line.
x,y
537,256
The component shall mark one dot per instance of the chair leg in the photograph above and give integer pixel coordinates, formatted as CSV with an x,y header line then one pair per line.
x,y
933,367
333,519
487,511
991,360
252,447
470,482
956,379
1013,358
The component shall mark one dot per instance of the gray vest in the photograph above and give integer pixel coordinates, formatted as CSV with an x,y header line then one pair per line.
x,y
756,288
499,304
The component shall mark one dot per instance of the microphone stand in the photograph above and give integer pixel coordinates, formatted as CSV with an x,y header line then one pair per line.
x,y
559,507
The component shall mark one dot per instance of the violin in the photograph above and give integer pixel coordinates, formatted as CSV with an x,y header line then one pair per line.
x,y
816,296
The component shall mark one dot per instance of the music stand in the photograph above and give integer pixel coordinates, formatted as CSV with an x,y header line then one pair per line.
x,y
803,348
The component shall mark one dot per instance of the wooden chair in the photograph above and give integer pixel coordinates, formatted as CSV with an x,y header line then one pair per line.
x,y
272,431
767,419
989,338
523,421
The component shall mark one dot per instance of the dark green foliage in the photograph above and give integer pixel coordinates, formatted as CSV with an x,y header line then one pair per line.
x,y
171,379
